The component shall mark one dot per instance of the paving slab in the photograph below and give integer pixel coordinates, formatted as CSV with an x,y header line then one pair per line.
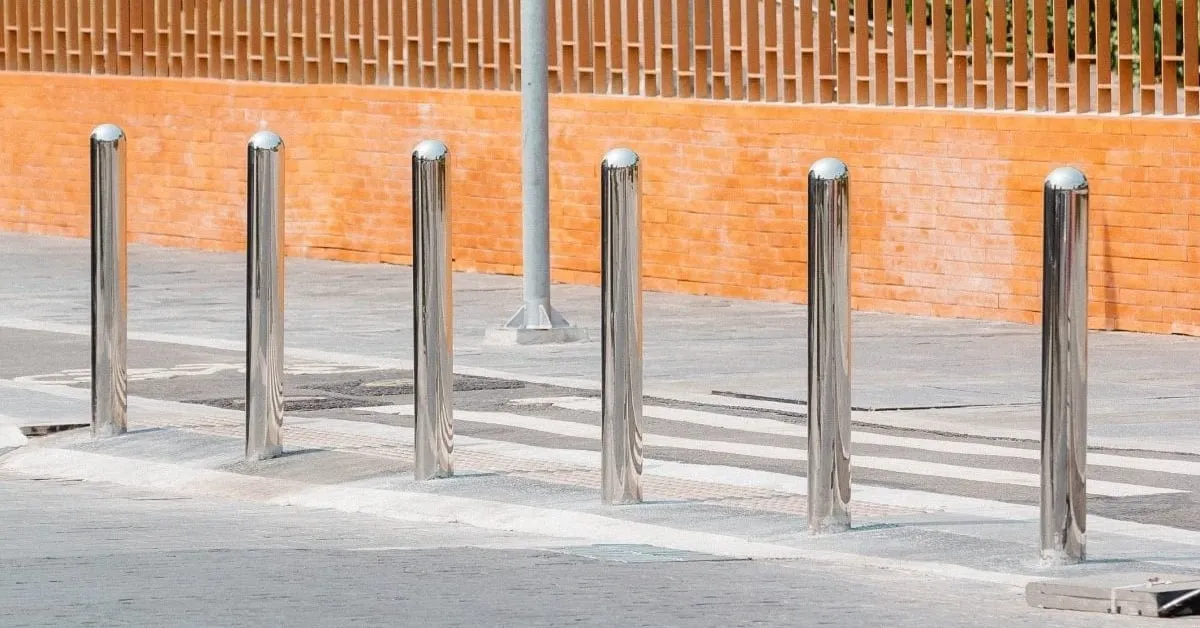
x,y
95,553
960,375
944,442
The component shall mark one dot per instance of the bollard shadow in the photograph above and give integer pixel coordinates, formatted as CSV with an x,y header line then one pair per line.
x,y
874,527
1113,561
1158,562
459,475
1149,559
144,430
301,452
934,523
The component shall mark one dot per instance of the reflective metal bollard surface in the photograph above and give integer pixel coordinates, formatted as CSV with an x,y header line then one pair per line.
x,y
621,327
828,347
1064,367
264,296
109,285
433,312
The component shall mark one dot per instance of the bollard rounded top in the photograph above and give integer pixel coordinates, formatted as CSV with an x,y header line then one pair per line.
x,y
431,150
107,133
1066,178
266,140
829,168
620,158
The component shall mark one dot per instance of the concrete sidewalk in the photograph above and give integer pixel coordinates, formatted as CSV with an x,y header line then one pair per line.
x,y
552,493
954,376
129,557
945,446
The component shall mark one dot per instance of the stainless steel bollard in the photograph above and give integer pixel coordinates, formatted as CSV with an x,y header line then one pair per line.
x,y
1064,367
621,327
433,312
109,286
264,296
828,347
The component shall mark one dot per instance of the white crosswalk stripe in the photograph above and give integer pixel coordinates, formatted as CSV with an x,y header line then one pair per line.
x,y
737,476
896,465
770,426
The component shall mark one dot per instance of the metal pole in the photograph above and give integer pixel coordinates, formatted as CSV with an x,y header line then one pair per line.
x,y
828,347
536,312
264,296
433,310
621,327
1064,367
109,287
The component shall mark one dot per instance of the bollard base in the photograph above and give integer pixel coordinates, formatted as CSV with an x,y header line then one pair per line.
x,y
269,453
831,526
628,497
432,475
1145,594
1059,558
107,431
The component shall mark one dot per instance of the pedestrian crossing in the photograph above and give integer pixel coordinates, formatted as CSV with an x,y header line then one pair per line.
x,y
740,486
909,456
771,426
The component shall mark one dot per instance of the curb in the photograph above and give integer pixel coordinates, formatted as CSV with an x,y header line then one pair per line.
x,y
419,507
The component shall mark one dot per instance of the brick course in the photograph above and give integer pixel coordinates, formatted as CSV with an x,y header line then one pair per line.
x,y
946,205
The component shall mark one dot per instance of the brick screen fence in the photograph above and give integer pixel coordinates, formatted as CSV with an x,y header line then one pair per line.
x,y
728,101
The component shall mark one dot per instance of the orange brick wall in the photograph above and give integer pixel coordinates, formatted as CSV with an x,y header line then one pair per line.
x,y
946,205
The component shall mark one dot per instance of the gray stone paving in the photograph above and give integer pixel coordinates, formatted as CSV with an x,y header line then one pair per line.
x,y
959,538
1143,399
91,554
1139,384
342,395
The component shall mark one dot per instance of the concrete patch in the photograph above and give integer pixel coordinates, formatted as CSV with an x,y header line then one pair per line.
x,y
11,437
1144,594
40,407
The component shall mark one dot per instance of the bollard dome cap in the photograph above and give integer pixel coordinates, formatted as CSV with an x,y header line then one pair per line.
x,y
829,168
266,140
1066,178
108,133
431,150
620,158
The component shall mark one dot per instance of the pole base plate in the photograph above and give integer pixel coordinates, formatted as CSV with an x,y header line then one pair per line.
x,y
509,336
545,326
